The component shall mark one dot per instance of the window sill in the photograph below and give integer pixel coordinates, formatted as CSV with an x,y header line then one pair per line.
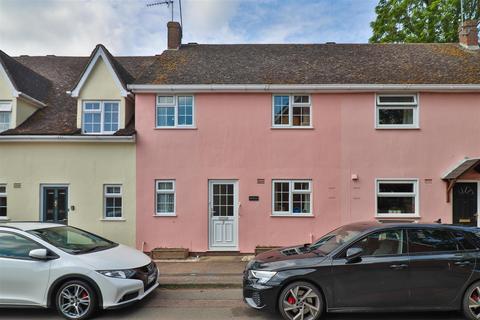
x,y
397,217
113,219
292,216
4,219
176,128
293,128
397,128
165,215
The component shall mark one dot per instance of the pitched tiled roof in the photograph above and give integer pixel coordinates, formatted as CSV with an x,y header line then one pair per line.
x,y
24,79
315,64
60,115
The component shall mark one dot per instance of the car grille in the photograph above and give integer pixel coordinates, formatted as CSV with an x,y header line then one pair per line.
x,y
129,296
144,273
256,298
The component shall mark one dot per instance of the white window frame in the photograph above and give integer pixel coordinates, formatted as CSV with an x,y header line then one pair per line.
x,y
291,191
174,105
415,106
4,195
415,193
6,106
112,195
102,115
171,191
291,105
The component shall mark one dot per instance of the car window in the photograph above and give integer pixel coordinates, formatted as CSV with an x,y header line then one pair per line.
x,y
382,243
430,240
15,246
463,240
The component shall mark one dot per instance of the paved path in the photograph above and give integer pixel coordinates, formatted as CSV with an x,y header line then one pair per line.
x,y
211,304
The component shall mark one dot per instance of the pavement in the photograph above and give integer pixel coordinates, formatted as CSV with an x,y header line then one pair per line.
x,y
205,288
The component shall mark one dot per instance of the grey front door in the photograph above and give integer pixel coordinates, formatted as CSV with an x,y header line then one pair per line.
x,y
55,204
223,215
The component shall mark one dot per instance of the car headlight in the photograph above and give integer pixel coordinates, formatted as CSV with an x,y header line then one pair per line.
x,y
262,276
120,274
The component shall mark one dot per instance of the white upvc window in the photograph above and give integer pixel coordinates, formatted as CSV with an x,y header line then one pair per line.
x,y
3,200
292,197
291,111
165,197
397,198
175,111
113,201
396,111
100,117
5,115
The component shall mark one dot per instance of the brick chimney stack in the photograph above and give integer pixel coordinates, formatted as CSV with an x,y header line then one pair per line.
x,y
468,34
174,35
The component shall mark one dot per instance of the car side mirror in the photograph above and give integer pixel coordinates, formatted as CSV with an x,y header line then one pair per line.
x,y
40,254
353,254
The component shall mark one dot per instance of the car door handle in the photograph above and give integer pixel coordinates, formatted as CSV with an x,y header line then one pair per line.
x,y
462,263
398,266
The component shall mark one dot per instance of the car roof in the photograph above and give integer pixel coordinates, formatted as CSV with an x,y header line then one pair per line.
x,y
367,226
27,225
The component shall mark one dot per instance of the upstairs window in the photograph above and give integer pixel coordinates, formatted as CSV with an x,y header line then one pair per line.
x,y
291,111
5,115
397,111
3,200
100,117
292,197
397,198
175,112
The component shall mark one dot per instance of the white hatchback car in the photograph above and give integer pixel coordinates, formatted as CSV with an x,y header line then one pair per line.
x,y
77,272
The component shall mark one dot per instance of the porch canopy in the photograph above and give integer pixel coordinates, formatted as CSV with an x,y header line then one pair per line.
x,y
458,171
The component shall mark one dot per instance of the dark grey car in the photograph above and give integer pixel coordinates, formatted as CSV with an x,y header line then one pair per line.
x,y
370,267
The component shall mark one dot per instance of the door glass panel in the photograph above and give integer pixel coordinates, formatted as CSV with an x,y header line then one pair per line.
x,y
50,205
430,240
62,205
223,196
14,246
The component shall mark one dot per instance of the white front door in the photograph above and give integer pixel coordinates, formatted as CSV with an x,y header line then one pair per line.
x,y
223,215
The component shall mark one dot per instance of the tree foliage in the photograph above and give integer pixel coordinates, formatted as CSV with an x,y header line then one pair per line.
x,y
421,20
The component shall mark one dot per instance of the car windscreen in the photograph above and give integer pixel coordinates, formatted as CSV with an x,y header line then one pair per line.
x,y
335,239
73,240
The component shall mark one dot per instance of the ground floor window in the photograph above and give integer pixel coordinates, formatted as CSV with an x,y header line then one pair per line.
x,y
397,197
165,197
292,197
113,201
3,200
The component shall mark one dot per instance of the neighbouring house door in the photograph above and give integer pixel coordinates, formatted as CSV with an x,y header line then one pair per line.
x,y
465,197
223,215
55,204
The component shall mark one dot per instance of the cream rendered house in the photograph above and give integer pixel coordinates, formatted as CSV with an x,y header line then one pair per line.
x,y
67,141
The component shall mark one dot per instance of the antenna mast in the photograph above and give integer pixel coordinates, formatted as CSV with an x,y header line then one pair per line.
x,y
167,2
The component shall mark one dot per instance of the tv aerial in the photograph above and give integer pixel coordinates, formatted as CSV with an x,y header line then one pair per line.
x,y
169,4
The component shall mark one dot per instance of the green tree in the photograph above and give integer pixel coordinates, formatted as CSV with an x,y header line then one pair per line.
x,y
421,20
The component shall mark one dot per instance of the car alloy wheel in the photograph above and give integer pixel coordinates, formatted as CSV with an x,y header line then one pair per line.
x,y
301,301
474,301
75,300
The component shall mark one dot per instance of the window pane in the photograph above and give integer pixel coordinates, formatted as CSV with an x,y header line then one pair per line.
x,y
382,243
301,186
463,240
281,110
185,110
301,116
3,206
301,99
281,197
14,246
4,120
3,189
113,190
395,187
165,185
165,116
165,99
92,121
395,116
110,117
165,202
396,99
430,240
396,205
301,203
92,106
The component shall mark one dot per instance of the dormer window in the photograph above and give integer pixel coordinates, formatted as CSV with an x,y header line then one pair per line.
x,y
5,115
100,117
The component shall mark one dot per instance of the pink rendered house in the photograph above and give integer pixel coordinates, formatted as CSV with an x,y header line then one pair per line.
x,y
240,146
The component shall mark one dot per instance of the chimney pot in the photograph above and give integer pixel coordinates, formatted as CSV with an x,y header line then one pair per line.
x,y
468,34
174,35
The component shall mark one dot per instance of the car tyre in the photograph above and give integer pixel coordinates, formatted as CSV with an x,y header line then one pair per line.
x,y
76,300
301,297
